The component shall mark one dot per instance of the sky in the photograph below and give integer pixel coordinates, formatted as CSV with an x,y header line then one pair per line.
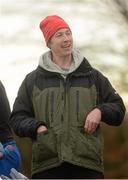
x,y
22,42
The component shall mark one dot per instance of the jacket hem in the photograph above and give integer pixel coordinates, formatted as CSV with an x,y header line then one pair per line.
x,y
41,167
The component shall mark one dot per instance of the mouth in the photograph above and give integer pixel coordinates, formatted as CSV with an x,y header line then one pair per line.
x,y
66,46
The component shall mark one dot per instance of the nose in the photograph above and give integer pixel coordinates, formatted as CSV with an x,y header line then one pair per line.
x,y
66,37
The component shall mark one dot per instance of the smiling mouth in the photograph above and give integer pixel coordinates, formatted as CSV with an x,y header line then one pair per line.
x,y
66,46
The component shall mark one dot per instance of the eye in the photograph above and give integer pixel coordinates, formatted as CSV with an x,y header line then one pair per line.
x,y
58,35
68,33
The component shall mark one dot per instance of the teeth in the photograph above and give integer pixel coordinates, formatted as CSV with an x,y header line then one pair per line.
x,y
66,46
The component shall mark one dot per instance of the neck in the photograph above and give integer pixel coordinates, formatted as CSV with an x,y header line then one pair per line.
x,y
63,62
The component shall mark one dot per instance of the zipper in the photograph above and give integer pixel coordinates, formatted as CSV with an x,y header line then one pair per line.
x,y
77,104
52,105
46,109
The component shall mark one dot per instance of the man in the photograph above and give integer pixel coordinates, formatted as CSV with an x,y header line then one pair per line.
x,y
9,153
61,106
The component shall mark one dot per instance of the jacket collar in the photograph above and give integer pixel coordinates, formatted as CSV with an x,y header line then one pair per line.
x,y
84,69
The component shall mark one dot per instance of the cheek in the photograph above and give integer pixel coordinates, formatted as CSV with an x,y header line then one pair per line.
x,y
71,40
56,48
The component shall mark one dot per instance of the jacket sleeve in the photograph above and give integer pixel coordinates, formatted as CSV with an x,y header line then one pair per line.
x,y
110,102
4,105
22,118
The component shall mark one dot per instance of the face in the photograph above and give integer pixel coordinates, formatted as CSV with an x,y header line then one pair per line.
x,y
61,43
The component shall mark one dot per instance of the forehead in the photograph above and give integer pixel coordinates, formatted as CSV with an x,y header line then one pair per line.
x,y
63,30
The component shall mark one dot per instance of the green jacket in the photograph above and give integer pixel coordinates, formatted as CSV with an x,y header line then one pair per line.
x,y
62,105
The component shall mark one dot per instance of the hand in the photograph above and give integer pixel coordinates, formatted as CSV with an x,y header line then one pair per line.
x,y
1,151
92,121
5,151
41,129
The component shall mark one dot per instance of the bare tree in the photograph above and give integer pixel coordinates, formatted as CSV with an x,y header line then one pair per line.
x,y
123,8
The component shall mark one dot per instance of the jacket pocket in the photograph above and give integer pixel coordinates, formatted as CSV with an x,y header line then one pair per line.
x,y
45,147
87,147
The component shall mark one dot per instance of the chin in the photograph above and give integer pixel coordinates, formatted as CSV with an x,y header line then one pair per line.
x,y
68,53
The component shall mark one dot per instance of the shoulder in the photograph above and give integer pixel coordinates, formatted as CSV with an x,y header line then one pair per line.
x,y
36,72
98,74
31,80
1,84
2,88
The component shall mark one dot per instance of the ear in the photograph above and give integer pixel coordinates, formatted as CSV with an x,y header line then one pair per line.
x,y
49,45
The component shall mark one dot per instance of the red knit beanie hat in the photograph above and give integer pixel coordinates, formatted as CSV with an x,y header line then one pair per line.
x,y
50,25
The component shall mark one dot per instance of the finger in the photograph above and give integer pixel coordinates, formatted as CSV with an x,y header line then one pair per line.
x,y
86,125
90,127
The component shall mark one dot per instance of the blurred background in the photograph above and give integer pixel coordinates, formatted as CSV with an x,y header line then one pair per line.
x,y
100,31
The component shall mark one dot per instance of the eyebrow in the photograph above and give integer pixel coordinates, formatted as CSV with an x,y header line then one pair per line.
x,y
62,31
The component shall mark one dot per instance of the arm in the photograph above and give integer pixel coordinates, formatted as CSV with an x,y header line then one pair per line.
x,y
110,103
22,118
110,108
